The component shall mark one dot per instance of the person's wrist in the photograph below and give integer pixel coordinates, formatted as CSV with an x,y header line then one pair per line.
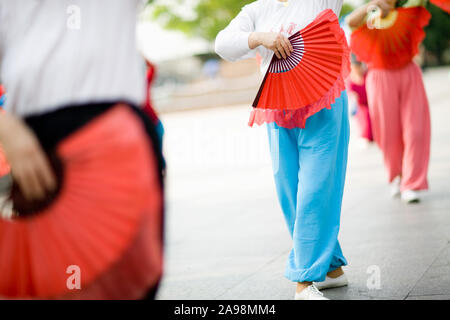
x,y
255,40
260,38
6,125
3,125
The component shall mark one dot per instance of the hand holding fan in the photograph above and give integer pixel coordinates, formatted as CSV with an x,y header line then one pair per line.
x,y
395,41
310,79
108,187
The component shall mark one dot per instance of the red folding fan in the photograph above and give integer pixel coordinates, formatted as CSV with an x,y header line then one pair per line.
x,y
4,166
2,90
109,189
396,43
308,80
443,4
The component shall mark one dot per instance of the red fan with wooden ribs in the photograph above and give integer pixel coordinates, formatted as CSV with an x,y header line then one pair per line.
x,y
308,80
104,221
443,4
394,41
4,166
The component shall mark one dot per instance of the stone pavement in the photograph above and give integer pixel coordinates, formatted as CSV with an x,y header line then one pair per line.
x,y
226,237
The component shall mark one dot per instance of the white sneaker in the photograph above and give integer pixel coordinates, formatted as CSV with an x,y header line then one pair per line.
x,y
6,211
363,143
410,196
310,293
340,281
395,187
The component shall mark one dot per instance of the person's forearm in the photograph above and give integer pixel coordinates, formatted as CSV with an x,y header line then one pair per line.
x,y
232,45
358,16
254,40
5,124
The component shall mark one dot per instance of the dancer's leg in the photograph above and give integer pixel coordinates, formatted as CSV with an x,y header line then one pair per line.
x,y
363,118
338,259
323,161
416,129
284,151
384,105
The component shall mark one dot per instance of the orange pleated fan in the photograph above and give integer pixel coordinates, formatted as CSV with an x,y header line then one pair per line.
x,y
307,81
4,166
109,196
395,44
443,4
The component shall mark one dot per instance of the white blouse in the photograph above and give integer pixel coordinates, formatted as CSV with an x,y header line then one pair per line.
x,y
268,16
59,52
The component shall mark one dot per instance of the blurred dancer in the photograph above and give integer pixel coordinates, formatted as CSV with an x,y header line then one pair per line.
x,y
4,167
400,118
148,106
309,162
2,96
64,70
357,86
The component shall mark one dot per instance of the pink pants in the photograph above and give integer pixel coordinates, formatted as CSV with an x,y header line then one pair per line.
x,y
401,126
363,118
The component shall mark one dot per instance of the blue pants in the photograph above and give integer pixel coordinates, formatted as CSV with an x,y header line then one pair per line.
x,y
309,168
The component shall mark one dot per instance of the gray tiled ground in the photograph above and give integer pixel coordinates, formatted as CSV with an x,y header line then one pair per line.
x,y
226,236
5,183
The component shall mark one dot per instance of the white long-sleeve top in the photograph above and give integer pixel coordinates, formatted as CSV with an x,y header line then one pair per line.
x,y
59,52
268,16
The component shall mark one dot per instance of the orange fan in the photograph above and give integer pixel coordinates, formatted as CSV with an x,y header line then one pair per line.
x,y
310,79
4,166
443,4
395,43
109,188
2,92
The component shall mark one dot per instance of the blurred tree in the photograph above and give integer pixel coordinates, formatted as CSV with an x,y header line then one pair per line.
x,y
210,16
346,9
437,40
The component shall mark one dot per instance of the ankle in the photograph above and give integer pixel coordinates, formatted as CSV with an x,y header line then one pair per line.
x,y
302,286
335,273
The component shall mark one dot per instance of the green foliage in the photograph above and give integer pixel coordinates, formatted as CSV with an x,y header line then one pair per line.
x,y
346,9
437,40
211,16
